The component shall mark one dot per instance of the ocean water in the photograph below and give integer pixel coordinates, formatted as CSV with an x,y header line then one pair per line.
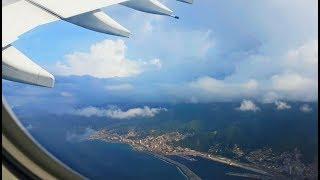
x,y
100,160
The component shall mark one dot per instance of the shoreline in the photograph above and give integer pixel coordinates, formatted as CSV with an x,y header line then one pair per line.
x,y
184,170
158,147
247,175
232,163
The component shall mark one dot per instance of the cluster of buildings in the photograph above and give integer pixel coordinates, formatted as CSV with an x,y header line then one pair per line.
x,y
163,145
286,163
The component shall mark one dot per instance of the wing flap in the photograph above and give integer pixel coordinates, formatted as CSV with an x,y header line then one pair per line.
x,y
17,67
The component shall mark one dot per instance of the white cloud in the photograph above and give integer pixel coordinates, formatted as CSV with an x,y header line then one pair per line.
x,y
116,113
270,97
153,35
29,127
206,89
304,59
156,35
224,88
147,27
247,105
251,84
191,43
90,111
120,87
156,62
145,22
76,137
135,112
293,76
105,59
209,84
295,86
282,105
305,108
289,82
66,94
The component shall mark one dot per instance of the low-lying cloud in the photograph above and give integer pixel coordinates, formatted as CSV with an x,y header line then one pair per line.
x,y
282,105
247,105
77,137
305,108
117,113
66,94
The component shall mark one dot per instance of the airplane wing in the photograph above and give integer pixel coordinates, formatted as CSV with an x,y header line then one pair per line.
x,y
21,16
24,15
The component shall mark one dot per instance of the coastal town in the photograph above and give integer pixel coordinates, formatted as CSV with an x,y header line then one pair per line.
x,y
162,146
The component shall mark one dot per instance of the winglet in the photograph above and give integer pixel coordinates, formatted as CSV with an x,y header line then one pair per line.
x,y
186,1
148,6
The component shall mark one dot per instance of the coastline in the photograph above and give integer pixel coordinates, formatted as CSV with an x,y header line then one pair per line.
x,y
247,175
159,147
230,162
189,174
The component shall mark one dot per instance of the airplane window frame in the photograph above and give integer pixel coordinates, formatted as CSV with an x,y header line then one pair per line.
x,y
24,157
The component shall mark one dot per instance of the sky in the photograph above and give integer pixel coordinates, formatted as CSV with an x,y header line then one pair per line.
x,y
265,51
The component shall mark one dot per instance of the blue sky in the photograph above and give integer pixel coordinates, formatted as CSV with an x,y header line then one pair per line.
x,y
216,51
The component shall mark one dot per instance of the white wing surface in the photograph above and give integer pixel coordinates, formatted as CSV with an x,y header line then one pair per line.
x,y
69,8
100,22
149,6
18,67
20,17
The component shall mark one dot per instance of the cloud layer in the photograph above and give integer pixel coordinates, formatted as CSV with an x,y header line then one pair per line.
x,y
116,113
77,137
292,76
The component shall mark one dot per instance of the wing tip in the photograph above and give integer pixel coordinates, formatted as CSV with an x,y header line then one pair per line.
x,y
186,1
46,79
18,67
